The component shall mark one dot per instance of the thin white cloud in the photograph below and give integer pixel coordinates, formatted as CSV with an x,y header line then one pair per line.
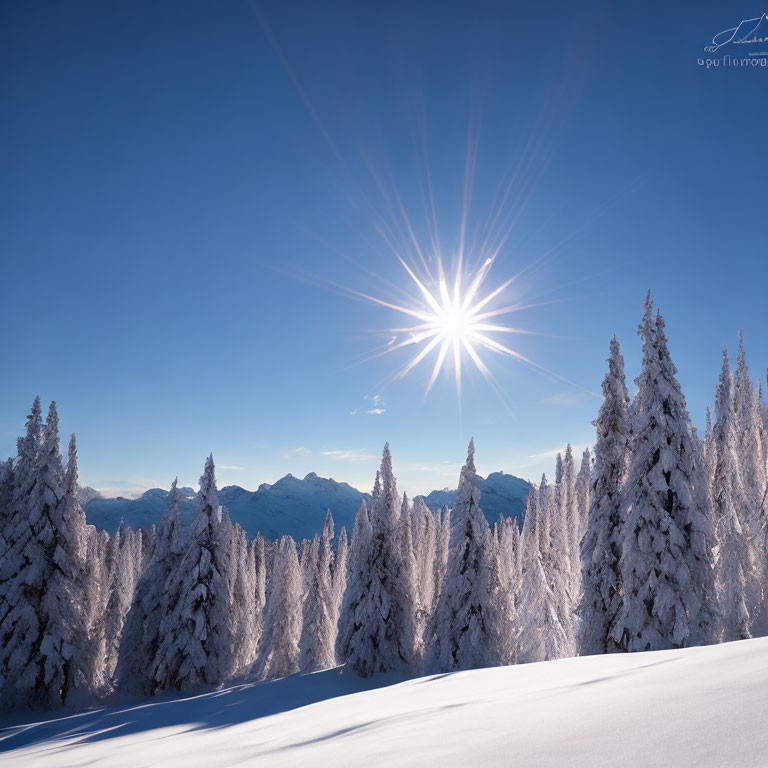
x,y
230,467
376,408
350,455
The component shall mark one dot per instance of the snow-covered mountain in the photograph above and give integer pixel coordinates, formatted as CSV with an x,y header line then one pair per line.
x,y
500,494
290,506
699,706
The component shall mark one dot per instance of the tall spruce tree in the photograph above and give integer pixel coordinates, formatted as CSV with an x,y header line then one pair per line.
x,y
601,546
538,634
196,629
43,658
734,563
583,494
353,645
379,636
141,633
572,523
318,635
668,598
469,627
279,651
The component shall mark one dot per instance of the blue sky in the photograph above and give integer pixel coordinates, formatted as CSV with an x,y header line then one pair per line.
x,y
191,190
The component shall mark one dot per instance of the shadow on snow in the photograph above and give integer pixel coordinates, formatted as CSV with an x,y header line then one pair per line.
x,y
212,709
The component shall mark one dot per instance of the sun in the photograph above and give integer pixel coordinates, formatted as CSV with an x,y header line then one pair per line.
x,y
456,321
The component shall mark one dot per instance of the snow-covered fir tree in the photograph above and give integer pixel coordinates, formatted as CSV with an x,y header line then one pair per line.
x,y
749,441
572,522
555,542
279,649
751,461
379,635
470,619
734,562
509,544
339,582
426,526
124,564
538,633
318,635
97,592
43,658
141,632
668,595
259,557
196,628
583,492
243,597
601,545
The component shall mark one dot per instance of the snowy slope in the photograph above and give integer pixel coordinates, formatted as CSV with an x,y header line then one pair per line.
x,y
698,707
292,505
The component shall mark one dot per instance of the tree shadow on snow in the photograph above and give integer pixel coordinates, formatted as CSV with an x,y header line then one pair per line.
x,y
213,709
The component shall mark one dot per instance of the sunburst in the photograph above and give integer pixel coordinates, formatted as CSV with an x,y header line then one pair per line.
x,y
456,321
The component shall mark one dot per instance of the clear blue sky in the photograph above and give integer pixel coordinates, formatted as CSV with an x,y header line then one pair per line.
x,y
182,183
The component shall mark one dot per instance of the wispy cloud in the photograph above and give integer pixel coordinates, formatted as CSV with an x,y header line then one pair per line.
x,y
230,467
354,454
374,406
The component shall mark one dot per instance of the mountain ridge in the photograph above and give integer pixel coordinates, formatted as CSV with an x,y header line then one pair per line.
x,y
291,505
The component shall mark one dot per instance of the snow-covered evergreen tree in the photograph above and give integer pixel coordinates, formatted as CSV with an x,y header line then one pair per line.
x,y
141,632
751,458
734,564
243,597
352,643
668,597
97,592
259,557
379,632
555,542
509,545
318,635
279,650
538,634
583,493
601,546
749,442
427,527
124,559
339,583
572,522
196,629
469,627
17,536
43,658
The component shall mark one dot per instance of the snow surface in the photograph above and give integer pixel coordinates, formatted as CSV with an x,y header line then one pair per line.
x,y
700,706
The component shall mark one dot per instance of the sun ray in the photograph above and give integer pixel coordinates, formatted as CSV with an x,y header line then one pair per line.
x,y
456,317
